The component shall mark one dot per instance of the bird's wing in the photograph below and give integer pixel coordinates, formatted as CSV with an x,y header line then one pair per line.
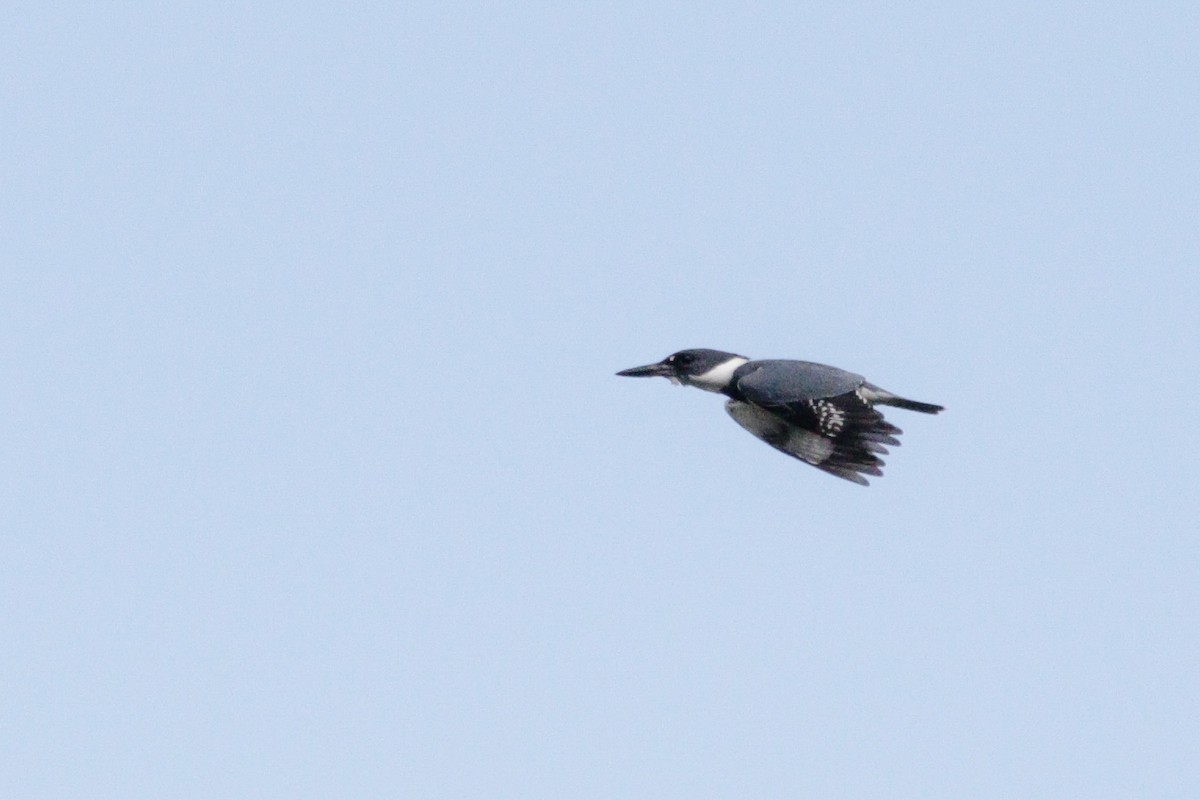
x,y
815,413
794,380
777,432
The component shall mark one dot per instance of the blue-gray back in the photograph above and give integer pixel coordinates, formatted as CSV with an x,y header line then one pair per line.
x,y
776,381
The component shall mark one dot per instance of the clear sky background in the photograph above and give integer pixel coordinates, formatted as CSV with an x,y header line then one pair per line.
x,y
318,482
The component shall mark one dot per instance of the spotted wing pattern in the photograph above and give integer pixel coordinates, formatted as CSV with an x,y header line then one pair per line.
x,y
828,422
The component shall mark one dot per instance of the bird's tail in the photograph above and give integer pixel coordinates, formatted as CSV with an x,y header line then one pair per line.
x,y
913,405
877,395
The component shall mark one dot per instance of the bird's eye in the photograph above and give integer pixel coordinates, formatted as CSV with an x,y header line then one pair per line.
x,y
683,360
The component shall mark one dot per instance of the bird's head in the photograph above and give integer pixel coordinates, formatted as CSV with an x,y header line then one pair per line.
x,y
705,369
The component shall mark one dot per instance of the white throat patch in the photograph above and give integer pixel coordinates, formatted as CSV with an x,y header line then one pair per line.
x,y
719,376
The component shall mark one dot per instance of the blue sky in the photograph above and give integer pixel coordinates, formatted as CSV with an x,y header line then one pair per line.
x,y
319,482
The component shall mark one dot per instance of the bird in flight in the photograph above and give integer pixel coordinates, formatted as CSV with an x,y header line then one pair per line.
x,y
821,415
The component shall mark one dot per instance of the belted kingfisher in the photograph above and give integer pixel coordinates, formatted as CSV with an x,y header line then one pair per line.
x,y
821,415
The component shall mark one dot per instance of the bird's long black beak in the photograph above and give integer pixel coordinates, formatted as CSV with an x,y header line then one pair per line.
x,y
659,370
